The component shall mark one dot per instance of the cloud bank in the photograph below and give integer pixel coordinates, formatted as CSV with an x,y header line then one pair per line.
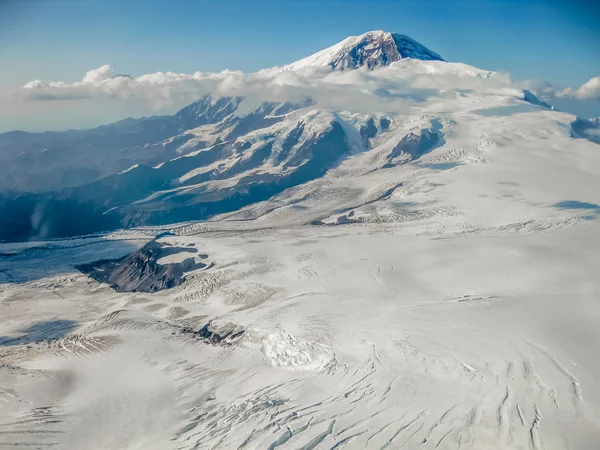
x,y
588,91
391,88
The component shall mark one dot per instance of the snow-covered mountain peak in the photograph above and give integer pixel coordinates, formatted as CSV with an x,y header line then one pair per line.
x,y
371,50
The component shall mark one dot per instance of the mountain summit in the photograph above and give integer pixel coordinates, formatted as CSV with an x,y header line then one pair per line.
x,y
371,50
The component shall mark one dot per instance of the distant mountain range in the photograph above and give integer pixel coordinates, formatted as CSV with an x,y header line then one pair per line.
x,y
215,156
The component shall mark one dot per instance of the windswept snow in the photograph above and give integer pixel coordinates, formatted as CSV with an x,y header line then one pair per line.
x,y
454,305
373,276
355,337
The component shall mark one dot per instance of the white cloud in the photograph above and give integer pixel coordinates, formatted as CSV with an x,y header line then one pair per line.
x,y
589,90
160,87
98,75
102,83
388,89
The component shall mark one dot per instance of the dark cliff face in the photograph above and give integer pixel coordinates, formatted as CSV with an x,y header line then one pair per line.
x,y
413,145
140,271
586,129
409,48
370,53
224,334
376,49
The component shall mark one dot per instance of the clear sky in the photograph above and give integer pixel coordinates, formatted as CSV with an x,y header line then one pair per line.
x,y
553,40
556,40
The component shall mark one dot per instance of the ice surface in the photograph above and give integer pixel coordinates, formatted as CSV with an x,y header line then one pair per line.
x,y
415,340
435,288
457,307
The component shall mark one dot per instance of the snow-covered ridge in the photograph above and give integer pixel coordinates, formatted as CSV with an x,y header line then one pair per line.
x,y
372,49
392,258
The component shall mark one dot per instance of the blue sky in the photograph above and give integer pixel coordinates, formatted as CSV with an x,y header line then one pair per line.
x,y
60,40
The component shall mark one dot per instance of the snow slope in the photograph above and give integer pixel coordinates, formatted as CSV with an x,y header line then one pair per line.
x,y
430,284
371,50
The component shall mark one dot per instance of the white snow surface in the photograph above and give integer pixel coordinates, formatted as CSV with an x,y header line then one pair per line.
x,y
446,302
340,55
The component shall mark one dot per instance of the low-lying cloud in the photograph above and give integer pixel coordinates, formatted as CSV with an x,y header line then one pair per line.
x,y
590,90
405,78
393,88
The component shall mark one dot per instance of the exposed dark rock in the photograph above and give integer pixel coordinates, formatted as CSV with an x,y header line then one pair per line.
x,y
416,145
586,129
221,334
529,97
140,271
378,48
368,130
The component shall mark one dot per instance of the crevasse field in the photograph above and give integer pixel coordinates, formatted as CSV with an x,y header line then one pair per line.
x,y
448,300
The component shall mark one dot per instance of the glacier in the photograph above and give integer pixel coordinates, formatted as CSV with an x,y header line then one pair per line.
x,y
414,267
